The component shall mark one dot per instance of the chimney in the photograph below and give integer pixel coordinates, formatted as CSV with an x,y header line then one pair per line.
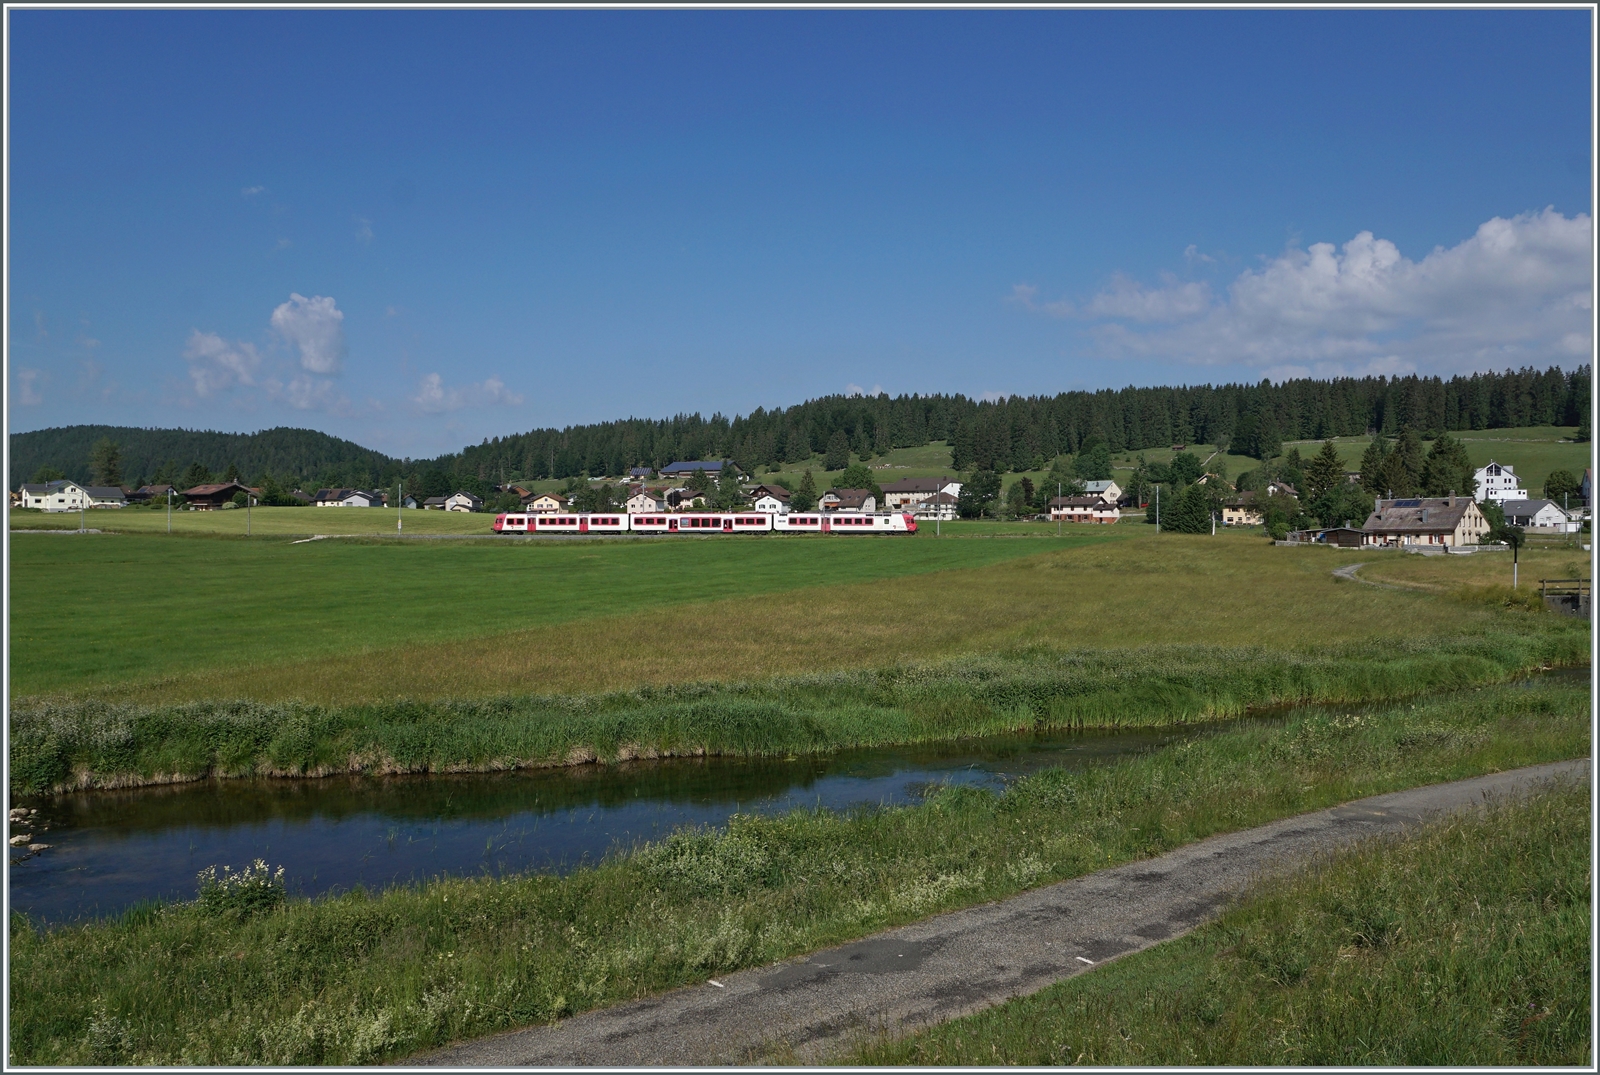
x,y
1452,498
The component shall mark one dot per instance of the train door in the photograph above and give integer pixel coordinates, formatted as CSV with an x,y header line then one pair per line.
x,y
727,525
583,524
825,527
672,525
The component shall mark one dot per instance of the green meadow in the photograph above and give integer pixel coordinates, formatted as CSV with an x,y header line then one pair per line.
x,y
1532,452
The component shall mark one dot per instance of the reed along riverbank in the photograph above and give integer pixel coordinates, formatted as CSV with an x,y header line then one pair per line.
x,y
85,743
254,978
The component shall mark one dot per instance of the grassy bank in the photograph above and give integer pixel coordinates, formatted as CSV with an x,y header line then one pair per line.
x,y
1465,944
361,977
87,743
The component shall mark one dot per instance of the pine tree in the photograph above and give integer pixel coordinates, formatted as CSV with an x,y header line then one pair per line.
x,y
838,455
1372,461
1448,469
805,497
106,461
1324,472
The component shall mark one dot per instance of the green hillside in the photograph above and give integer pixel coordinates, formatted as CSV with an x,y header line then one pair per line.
x,y
303,454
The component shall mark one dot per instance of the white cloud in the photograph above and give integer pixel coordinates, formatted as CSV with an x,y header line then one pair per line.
x,y
215,365
435,397
1517,291
1192,254
251,192
857,390
28,394
316,327
363,230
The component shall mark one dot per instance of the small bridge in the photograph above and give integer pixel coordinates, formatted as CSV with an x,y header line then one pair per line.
x,y
1567,596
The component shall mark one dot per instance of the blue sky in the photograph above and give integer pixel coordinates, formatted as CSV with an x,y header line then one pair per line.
x,y
417,229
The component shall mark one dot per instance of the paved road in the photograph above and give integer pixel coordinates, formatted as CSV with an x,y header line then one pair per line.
x,y
804,1009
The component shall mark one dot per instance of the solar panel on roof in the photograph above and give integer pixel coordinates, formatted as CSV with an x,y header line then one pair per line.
x,y
1405,503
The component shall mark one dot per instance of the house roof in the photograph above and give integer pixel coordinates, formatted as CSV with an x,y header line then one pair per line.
x,y
216,489
435,500
1078,502
1413,515
638,472
469,496
777,492
557,497
851,498
710,466
1099,486
105,491
1528,507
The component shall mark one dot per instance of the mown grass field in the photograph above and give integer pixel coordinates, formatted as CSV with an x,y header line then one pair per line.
x,y
262,522
367,976
240,614
1465,944
157,619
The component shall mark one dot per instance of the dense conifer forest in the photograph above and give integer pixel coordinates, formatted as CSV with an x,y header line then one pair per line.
x,y
1015,433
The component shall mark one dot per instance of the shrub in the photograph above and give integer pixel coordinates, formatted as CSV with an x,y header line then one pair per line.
x,y
250,891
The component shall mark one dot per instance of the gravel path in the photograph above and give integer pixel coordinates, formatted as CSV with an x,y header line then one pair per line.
x,y
808,1008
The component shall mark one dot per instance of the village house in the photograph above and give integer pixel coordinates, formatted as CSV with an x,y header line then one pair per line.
x,y
1545,516
146,493
681,499
347,498
1496,482
771,499
462,502
638,473
1107,490
852,500
642,501
1345,537
66,495
540,503
434,503
1089,508
1245,508
938,507
1436,520
712,468
908,492
212,495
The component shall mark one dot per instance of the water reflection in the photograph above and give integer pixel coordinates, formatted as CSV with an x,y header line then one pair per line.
x,y
111,849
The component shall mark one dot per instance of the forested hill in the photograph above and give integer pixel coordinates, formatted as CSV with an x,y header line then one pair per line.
x,y
1011,434
165,454
1016,433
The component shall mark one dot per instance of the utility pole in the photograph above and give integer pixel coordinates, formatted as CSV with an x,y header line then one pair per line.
x,y
249,502
169,509
1058,514
81,496
1158,507
399,507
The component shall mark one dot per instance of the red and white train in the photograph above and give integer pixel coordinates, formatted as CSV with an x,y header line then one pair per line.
x,y
699,522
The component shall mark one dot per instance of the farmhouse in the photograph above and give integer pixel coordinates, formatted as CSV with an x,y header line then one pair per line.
x,y
212,495
942,506
1245,509
1449,521
540,503
434,503
1089,508
1542,515
65,495
642,501
852,500
713,468
462,502
347,498
1107,490
147,493
771,499
1496,482
906,492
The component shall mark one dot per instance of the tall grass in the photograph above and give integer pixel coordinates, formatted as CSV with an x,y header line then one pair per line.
x,y
363,976
1466,944
86,743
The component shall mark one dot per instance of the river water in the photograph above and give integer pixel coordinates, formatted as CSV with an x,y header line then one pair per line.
x,y
113,849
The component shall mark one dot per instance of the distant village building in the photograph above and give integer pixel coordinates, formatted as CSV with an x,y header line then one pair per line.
x,y
771,499
642,501
908,492
683,499
943,506
1438,520
1496,482
66,495
462,502
1245,508
1543,515
347,498
712,468
542,503
1088,508
852,500
212,495
1108,490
